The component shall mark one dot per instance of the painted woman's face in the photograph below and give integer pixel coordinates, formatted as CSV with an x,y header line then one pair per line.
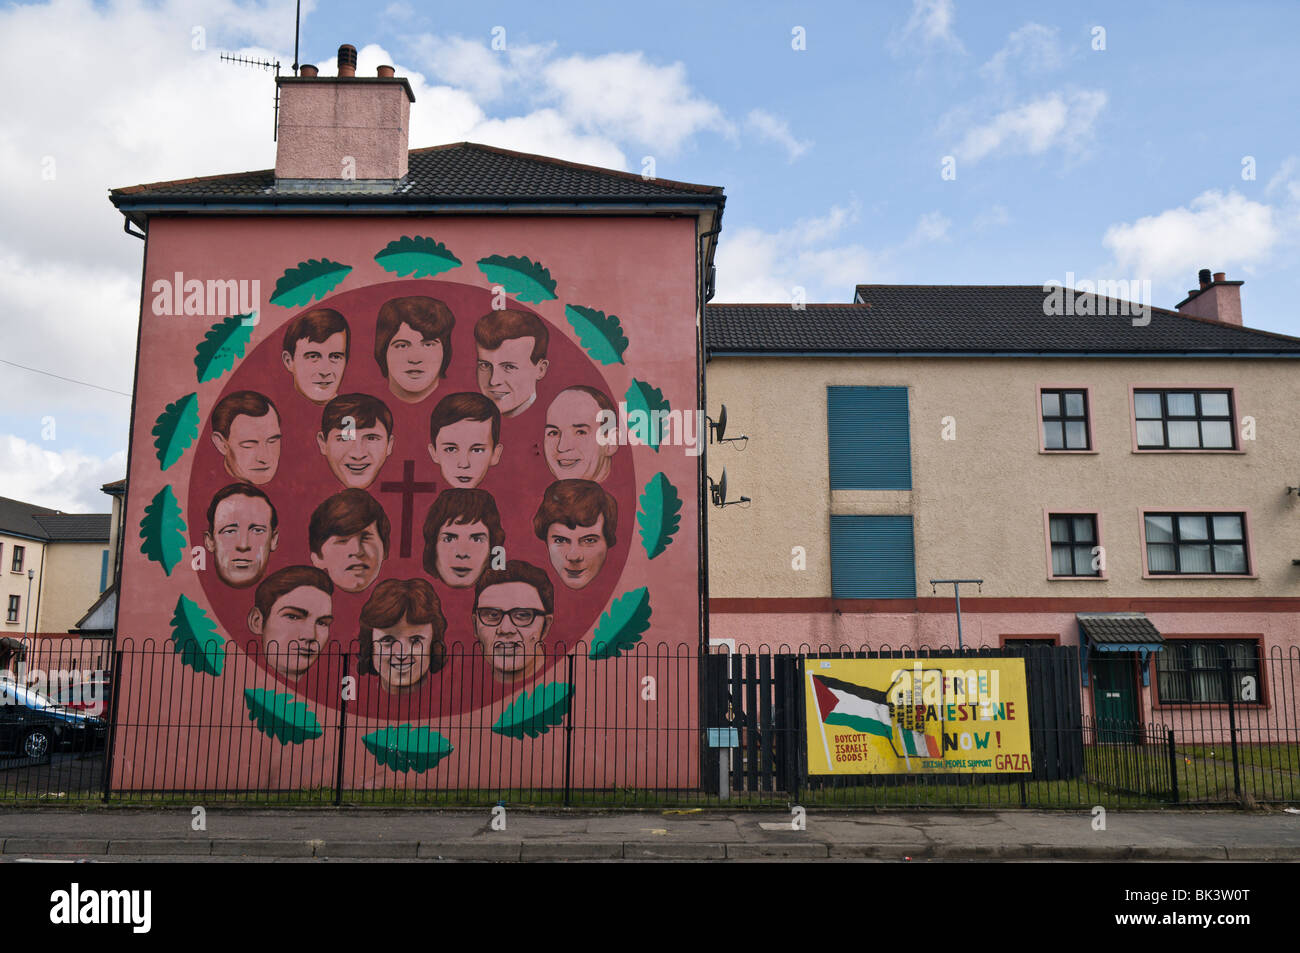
x,y
402,653
414,363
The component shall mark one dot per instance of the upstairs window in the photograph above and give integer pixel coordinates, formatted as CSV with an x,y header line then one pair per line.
x,y
1065,419
1180,544
1184,420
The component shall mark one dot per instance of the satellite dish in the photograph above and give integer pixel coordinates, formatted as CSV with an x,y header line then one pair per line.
x,y
722,423
722,488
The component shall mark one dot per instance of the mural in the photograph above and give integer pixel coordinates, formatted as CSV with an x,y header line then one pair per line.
x,y
447,519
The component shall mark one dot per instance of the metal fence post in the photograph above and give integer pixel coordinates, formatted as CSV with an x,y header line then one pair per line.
x,y
568,739
1232,719
343,723
1173,764
114,688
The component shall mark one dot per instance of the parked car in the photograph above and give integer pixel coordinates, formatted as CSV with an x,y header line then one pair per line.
x,y
34,726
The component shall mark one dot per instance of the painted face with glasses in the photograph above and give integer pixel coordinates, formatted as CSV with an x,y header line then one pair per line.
x,y
510,623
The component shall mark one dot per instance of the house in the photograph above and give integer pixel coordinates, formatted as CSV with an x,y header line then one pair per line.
x,y
369,384
97,621
52,565
1118,481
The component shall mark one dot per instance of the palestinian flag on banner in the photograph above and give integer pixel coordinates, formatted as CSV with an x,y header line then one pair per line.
x,y
852,706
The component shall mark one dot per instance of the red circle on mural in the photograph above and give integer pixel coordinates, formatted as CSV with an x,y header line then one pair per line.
x,y
302,480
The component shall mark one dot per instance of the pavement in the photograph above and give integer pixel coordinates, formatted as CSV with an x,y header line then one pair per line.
x,y
121,834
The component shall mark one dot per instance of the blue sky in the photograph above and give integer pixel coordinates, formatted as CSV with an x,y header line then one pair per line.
x,y
1115,163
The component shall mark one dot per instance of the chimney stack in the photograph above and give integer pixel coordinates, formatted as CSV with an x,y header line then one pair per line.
x,y
342,132
1216,299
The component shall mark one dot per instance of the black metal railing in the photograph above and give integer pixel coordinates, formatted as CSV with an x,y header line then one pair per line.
x,y
656,725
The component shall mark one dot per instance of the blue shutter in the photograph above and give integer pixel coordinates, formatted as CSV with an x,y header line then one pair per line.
x,y
870,439
872,557
103,572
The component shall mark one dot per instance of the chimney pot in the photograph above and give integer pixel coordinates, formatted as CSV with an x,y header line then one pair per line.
x,y
386,72
347,60
308,71
1204,277
1220,276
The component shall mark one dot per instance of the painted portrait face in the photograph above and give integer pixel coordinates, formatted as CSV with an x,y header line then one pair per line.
x,y
295,632
572,450
352,562
241,539
317,368
462,551
252,450
356,462
577,554
401,654
512,647
464,451
414,364
508,375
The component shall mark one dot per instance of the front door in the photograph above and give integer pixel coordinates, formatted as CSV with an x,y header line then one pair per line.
x,y
1114,694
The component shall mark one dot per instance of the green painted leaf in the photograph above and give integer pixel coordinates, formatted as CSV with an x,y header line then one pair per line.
x,y
534,714
278,716
162,531
644,401
407,748
196,639
523,278
308,281
622,625
660,515
418,257
222,345
601,334
175,429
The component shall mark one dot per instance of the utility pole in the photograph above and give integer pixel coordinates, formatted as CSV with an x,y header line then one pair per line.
x,y
956,590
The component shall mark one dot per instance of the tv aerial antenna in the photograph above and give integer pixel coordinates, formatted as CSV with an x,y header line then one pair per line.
x,y
273,65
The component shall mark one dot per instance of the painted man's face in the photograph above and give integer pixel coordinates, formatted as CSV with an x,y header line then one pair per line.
x,y
352,562
464,451
461,553
402,654
508,375
577,554
295,632
355,457
241,539
317,368
414,364
513,648
572,450
252,450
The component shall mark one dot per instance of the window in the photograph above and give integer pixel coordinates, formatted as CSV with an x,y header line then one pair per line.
x,y
17,565
870,438
1184,420
1073,538
872,557
1065,419
1196,543
13,609
1192,670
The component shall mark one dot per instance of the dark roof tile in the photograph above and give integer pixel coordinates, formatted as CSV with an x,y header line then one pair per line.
x,y
948,319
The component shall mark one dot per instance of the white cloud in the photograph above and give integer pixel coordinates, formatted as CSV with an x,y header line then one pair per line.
x,y
1033,48
1285,181
760,266
623,96
933,227
931,25
474,66
774,129
1217,231
1063,120
68,481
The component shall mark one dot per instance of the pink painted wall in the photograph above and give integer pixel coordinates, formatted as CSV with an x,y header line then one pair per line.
x,y
182,729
